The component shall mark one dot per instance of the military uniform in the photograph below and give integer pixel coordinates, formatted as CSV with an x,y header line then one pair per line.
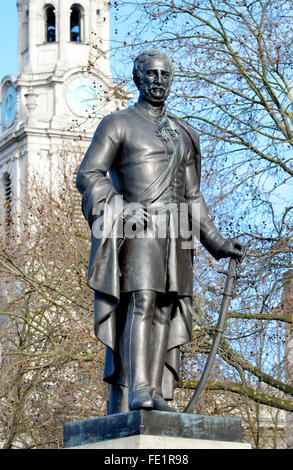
x,y
153,162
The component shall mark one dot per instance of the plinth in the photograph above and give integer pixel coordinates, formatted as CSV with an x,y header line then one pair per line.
x,y
155,430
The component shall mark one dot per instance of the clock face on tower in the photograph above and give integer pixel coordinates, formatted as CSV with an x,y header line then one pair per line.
x,y
83,96
9,107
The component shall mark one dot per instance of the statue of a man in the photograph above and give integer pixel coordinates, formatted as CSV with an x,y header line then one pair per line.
x,y
143,284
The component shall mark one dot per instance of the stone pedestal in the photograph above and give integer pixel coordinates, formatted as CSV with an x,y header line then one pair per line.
x,y
154,430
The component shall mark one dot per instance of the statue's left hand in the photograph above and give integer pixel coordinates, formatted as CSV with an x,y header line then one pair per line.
x,y
232,248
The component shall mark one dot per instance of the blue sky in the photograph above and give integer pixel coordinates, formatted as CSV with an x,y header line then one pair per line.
x,y
8,38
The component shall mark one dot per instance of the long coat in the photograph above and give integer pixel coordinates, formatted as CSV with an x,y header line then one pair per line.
x,y
145,166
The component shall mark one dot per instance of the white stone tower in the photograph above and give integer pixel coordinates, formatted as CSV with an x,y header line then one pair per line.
x,y
61,90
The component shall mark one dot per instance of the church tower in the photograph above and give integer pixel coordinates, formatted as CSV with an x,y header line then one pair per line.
x,y
62,89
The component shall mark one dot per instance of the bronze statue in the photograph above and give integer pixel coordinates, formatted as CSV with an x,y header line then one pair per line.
x,y
143,280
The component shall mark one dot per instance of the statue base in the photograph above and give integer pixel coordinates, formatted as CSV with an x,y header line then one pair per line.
x,y
155,430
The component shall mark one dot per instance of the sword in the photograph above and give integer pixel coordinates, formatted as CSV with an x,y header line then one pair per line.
x,y
230,285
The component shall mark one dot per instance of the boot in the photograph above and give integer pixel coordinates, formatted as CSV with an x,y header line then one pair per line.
x,y
137,345
161,326
160,404
141,400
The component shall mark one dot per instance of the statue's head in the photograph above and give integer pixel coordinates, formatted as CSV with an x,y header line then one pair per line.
x,y
153,73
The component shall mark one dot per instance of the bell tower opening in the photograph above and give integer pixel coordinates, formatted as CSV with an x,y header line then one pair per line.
x,y
75,24
50,23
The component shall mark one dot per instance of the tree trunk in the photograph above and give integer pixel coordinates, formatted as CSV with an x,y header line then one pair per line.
x,y
287,305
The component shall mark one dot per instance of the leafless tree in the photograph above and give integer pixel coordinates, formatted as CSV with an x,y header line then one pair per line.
x,y
51,363
232,84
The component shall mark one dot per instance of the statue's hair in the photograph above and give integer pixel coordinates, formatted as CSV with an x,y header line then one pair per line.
x,y
142,58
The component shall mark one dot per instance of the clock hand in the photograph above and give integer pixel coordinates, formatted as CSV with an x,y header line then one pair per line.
x,y
9,102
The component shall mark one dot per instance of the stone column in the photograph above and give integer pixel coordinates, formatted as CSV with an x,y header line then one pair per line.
x,y
31,104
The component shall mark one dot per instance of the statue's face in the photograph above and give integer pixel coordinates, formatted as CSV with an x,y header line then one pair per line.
x,y
156,80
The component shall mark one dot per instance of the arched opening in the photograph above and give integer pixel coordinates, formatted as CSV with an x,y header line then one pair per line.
x,y
75,24
50,24
8,199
